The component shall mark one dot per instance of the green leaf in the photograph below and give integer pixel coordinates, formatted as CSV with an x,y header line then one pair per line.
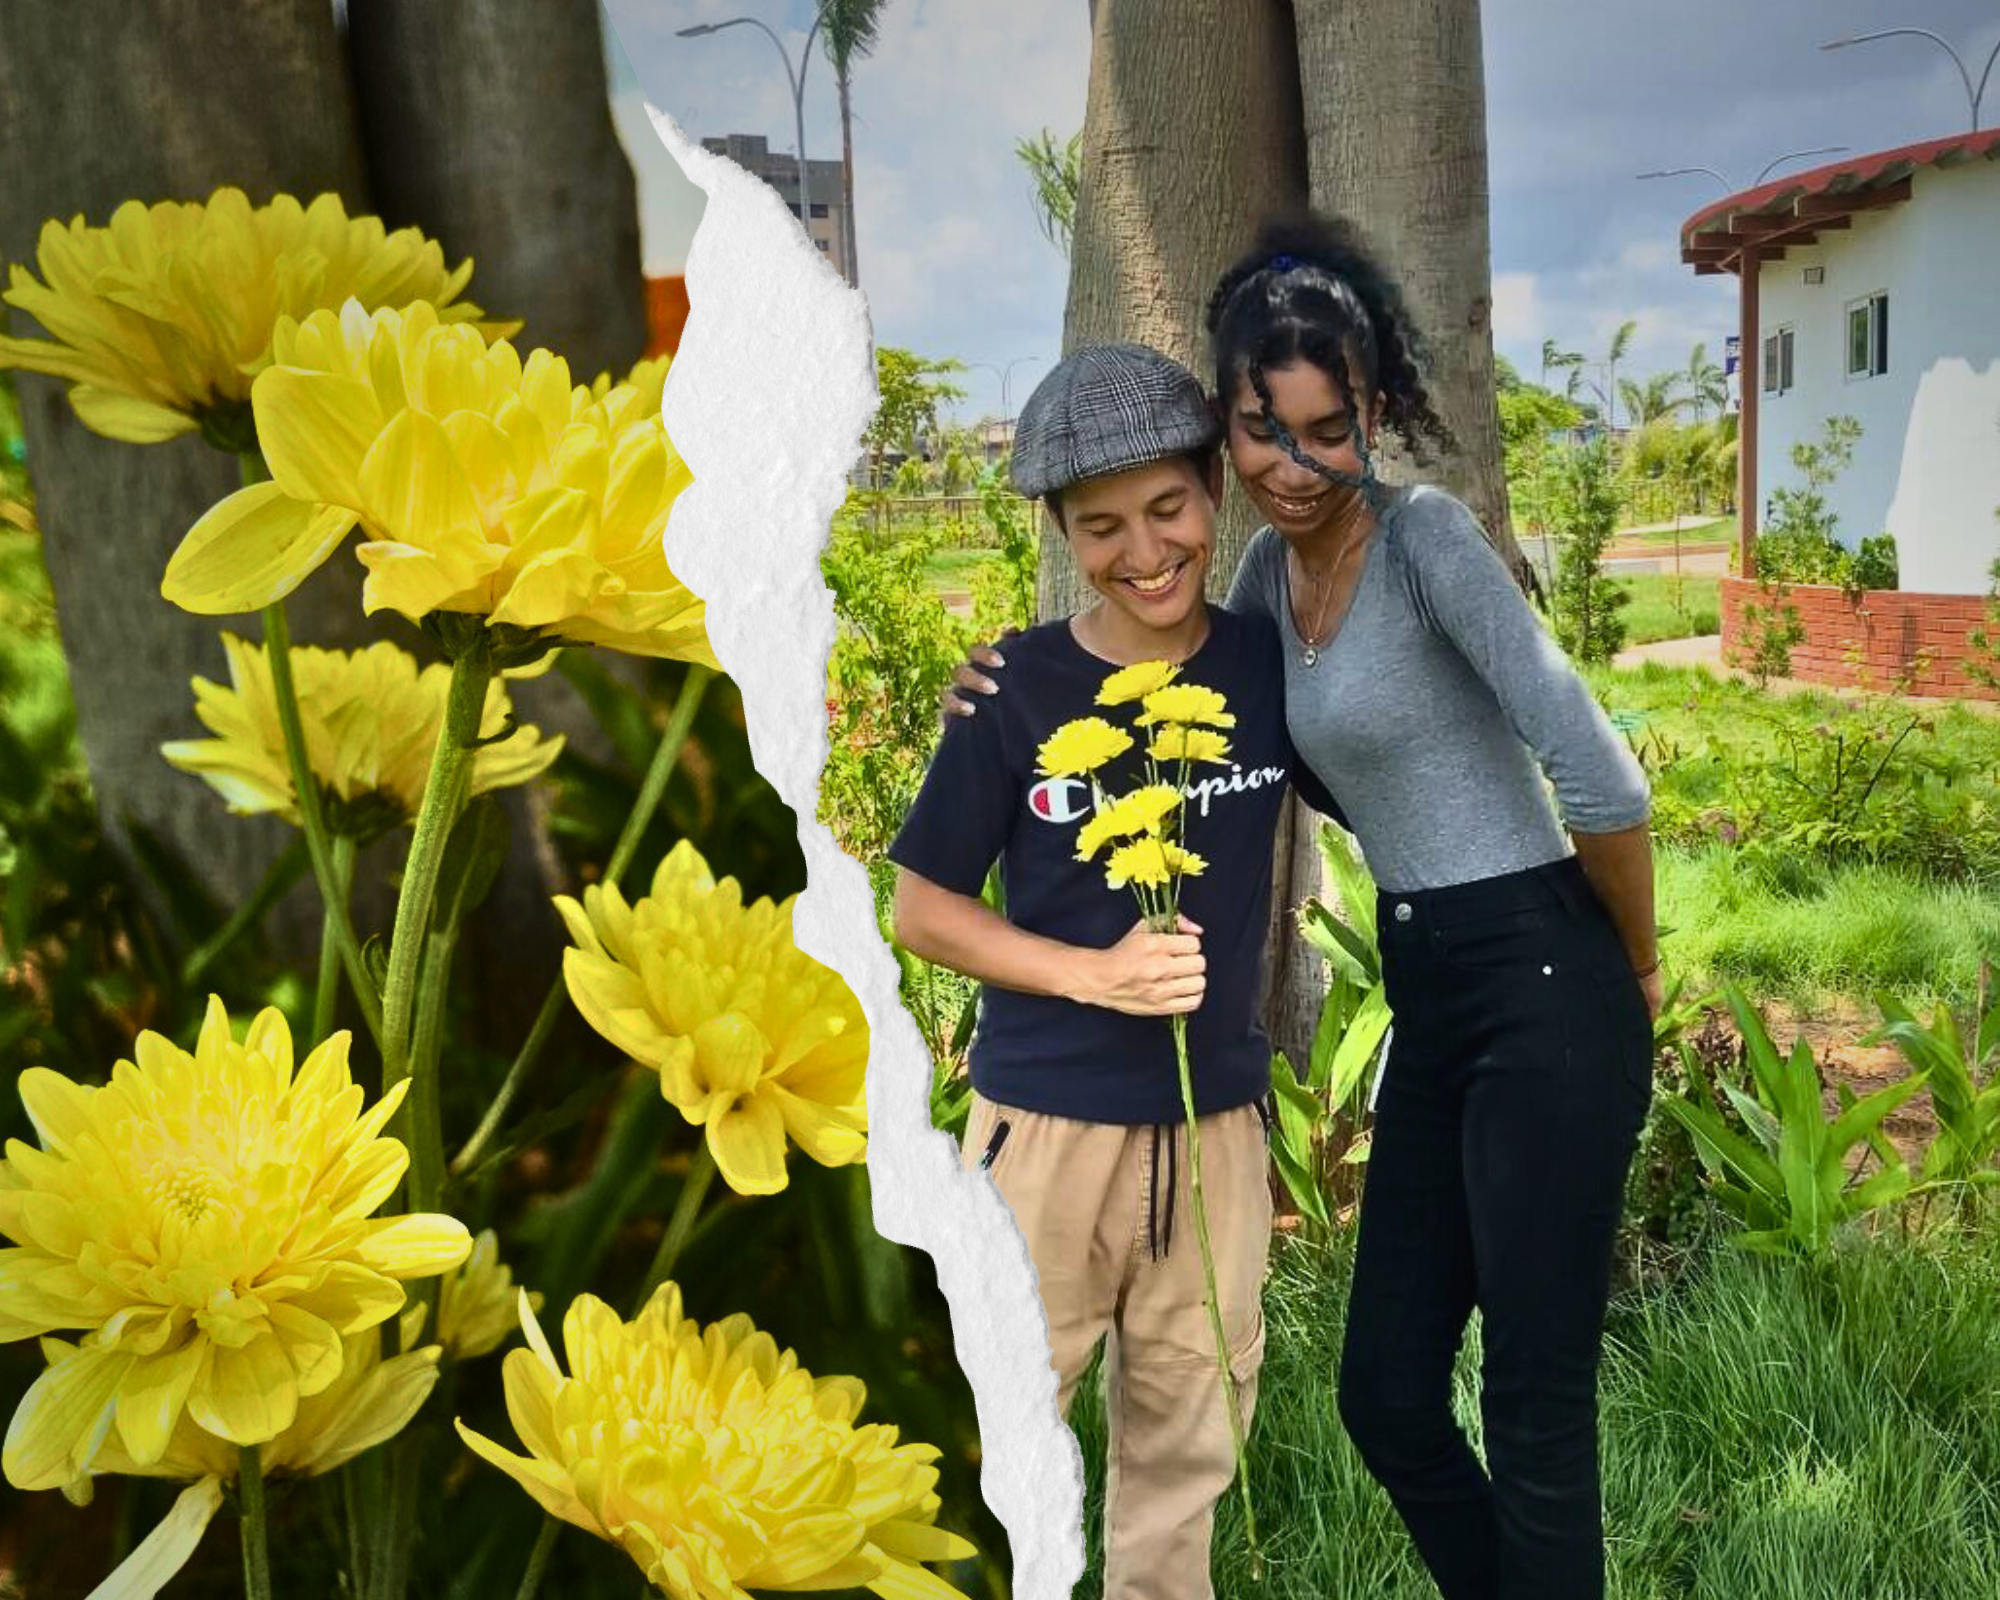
x,y
473,857
1358,1047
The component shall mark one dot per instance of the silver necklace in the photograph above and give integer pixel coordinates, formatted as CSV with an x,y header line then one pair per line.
x,y
1316,641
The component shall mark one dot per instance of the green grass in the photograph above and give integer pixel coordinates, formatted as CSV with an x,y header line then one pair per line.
x,y
1694,530
1771,1432
1851,929
952,569
1653,614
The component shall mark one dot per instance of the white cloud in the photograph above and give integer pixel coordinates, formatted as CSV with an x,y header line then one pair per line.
x,y
1517,308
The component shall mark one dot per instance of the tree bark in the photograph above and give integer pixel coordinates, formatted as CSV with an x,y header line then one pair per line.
x,y
1190,138
94,109
847,177
488,123
1395,131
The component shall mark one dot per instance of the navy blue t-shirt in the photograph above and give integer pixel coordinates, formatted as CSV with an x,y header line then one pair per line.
x,y
984,801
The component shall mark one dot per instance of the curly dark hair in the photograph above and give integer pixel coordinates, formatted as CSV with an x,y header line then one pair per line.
x,y
1312,289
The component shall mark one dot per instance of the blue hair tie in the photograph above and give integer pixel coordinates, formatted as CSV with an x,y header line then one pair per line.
x,y
1281,263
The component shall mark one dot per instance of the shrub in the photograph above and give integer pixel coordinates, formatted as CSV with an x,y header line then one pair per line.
x,y
1585,511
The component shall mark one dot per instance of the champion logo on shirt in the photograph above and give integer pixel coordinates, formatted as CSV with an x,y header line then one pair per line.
x,y
1065,799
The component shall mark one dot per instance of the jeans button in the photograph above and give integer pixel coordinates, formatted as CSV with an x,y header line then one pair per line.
x,y
1403,911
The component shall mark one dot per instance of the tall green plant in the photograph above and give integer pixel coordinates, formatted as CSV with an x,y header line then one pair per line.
x,y
1585,512
1963,1071
1321,1125
1794,1179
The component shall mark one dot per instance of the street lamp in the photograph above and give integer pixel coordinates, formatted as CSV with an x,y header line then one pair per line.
x,y
1769,166
1973,95
796,79
1006,407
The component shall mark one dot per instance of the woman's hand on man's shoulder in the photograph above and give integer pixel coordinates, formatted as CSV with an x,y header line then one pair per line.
x,y
970,679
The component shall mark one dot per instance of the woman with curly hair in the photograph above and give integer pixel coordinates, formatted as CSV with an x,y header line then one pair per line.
x,y
1517,936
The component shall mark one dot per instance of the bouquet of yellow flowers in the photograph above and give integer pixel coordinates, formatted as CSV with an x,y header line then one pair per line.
x,y
1180,725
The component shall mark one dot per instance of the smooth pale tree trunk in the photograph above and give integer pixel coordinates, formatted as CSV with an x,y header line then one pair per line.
x,y
1395,131
102,101
1191,137
488,123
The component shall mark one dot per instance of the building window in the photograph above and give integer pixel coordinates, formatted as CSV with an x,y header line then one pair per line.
x,y
818,209
824,248
792,206
1778,347
1868,336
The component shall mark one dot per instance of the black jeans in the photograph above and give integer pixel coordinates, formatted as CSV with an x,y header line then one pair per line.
x,y
1518,1079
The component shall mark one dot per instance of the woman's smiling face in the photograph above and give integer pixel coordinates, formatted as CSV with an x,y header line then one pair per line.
x,y
1295,500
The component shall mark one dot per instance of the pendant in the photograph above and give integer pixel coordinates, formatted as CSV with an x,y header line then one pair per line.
x,y
1311,656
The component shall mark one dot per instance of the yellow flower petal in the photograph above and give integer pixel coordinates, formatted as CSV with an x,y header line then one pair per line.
x,y
315,429
159,1557
126,417
748,1142
251,549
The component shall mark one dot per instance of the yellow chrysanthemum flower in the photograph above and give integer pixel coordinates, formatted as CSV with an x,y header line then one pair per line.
x,y
372,1400
1081,746
1141,811
752,1038
717,1462
1187,702
371,722
160,320
476,1304
1175,742
1136,682
1152,862
648,378
206,1219
486,486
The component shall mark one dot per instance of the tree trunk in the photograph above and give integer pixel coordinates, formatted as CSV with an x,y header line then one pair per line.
x,y
95,99
1191,136
1395,130
488,123
847,177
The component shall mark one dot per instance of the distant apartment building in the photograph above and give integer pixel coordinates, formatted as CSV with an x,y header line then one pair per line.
x,y
827,226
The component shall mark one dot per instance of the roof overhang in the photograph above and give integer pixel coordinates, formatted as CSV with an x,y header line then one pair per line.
x,y
1797,210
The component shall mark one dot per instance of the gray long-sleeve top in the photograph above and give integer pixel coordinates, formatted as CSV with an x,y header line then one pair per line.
x,y
1430,711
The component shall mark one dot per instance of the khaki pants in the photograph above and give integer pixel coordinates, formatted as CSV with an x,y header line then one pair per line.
x,y
1109,1224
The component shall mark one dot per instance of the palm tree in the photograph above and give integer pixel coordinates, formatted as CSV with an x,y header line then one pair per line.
x,y
1621,342
851,30
1706,383
1653,400
1556,360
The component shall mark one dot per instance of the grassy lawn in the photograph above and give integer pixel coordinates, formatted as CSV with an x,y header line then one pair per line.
x,y
952,569
1694,530
1653,613
1772,1431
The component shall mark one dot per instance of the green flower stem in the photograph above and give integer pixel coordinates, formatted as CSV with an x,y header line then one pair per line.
x,y
360,1493
1199,1205
451,765
694,1190
651,791
256,1542
396,1536
426,1045
538,1561
312,821
328,990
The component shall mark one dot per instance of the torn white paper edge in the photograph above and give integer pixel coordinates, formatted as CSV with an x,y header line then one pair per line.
x,y
766,400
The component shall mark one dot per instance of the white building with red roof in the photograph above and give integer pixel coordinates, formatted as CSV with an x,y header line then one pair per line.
x,y
1870,288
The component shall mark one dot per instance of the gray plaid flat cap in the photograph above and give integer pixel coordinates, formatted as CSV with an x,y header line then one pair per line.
x,y
1107,408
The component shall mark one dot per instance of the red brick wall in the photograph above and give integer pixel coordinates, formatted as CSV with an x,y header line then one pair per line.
x,y
1875,638
666,314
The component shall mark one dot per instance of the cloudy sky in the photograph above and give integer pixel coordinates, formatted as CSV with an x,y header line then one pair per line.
x,y
1582,95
